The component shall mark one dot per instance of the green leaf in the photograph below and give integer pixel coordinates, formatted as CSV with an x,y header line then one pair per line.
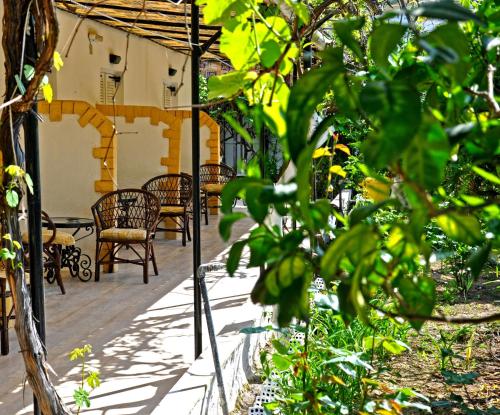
x,y
361,213
383,40
460,227
227,222
477,260
6,254
29,182
238,128
344,29
82,398
451,44
278,193
425,160
270,52
231,190
446,10
29,72
227,85
302,105
281,362
280,347
258,329
12,198
453,378
221,10
397,106
20,85
93,379
234,257
257,209
291,268
237,42
357,244
486,175
394,346
300,10
419,295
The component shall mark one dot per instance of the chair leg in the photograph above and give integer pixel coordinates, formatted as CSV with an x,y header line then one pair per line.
x,y
97,274
206,209
184,222
4,329
56,250
187,228
153,259
145,276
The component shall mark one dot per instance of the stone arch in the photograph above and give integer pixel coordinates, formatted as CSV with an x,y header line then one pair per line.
x,y
173,119
106,152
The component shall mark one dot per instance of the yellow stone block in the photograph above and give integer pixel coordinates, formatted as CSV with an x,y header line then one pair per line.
x,y
100,152
107,173
155,116
85,118
129,113
55,111
104,186
43,107
107,142
107,129
171,134
68,107
97,120
81,107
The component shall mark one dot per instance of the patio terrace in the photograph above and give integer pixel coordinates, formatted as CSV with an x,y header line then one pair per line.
x,y
142,335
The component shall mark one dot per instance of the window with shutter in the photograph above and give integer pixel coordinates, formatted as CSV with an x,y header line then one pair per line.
x,y
111,85
169,96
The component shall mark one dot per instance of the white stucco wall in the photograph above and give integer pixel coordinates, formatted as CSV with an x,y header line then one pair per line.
x,y
140,149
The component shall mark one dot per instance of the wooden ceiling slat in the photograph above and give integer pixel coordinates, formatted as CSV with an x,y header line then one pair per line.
x,y
167,31
130,17
162,6
162,22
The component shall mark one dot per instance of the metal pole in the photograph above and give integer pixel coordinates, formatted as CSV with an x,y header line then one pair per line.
x,y
35,222
211,330
195,145
31,146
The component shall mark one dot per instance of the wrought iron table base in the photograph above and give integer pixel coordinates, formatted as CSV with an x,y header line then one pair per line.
x,y
77,263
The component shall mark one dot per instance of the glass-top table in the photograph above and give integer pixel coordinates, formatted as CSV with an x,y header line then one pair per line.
x,y
78,263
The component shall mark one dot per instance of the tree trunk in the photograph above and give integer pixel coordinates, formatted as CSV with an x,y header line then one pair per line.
x,y
20,16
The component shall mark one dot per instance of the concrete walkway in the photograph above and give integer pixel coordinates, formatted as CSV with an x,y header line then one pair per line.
x,y
142,335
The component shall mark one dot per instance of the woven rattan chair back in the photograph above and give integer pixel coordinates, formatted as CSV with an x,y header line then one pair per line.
x,y
216,174
171,189
127,208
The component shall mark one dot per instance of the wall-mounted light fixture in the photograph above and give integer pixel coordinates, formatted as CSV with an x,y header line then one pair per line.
x,y
114,59
171,71
93,38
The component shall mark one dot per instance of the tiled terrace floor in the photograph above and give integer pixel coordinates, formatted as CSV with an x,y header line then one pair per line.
x,y
142,335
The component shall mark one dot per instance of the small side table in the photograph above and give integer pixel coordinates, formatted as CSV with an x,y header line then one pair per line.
x,y
79,264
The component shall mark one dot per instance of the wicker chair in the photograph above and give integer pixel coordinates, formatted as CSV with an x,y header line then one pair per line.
x,y
125,219
213,177
6,309
175,192
53,241
6,313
